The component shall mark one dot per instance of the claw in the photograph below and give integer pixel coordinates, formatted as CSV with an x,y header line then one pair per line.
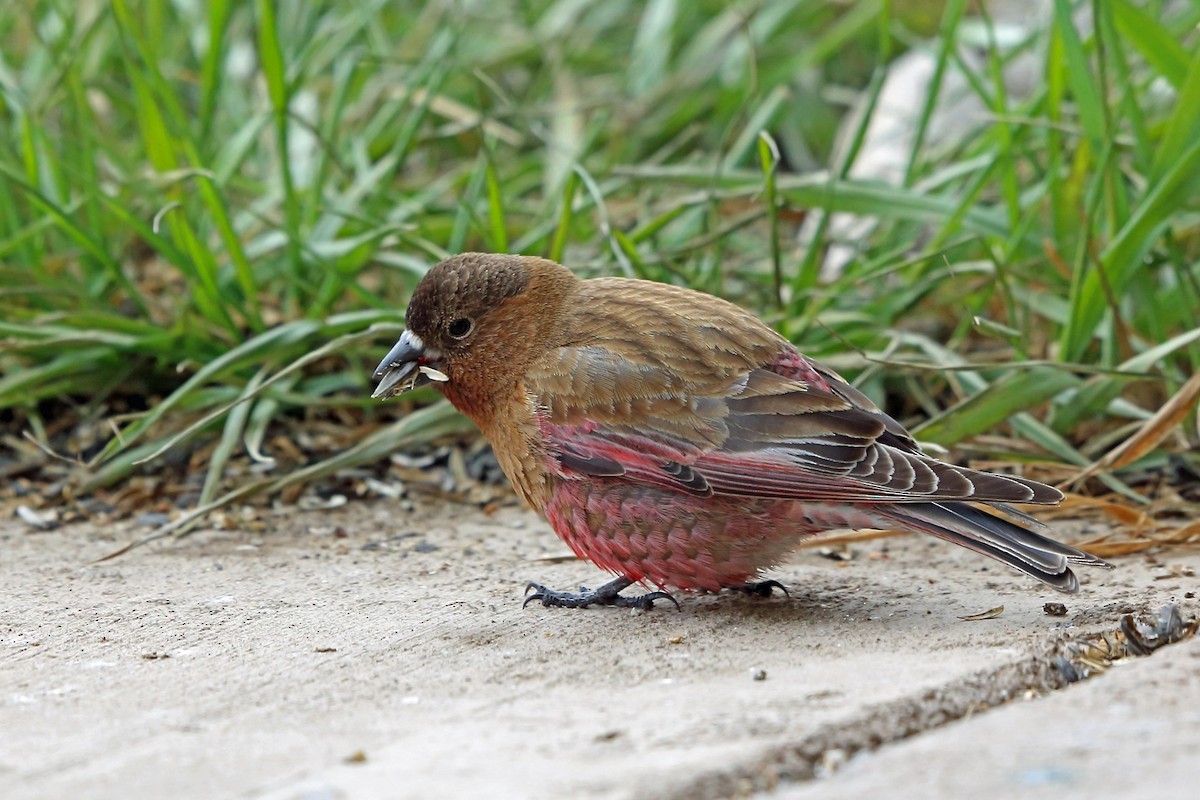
x,y
762,588
607,595
646,601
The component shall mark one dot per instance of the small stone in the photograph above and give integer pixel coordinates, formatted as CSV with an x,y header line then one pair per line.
x,y
831,761
1055,609
758,674
39,520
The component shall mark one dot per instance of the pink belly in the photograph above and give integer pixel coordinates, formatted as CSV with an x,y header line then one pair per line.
x,y
682,541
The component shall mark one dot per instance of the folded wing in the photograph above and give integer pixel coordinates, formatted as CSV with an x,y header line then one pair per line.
x,y
754,433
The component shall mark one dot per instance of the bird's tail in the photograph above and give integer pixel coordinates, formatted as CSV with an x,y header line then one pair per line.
x,y
1027,551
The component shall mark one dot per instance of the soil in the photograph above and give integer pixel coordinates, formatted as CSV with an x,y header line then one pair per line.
x,y
381,650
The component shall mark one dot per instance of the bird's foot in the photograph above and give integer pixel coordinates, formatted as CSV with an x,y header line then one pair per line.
x,y
761,588
607,595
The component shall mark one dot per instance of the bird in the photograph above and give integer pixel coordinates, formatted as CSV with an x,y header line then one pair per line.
x,y
677,441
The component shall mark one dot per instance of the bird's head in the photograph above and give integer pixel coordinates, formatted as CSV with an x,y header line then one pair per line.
x,y
474,324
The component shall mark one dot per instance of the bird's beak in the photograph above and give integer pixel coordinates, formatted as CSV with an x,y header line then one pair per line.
x,y
407,365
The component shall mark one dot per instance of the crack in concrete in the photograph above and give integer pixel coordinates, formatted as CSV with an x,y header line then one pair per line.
x,y
1062,661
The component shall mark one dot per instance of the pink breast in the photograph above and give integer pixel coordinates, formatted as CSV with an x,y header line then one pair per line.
x,y
677,540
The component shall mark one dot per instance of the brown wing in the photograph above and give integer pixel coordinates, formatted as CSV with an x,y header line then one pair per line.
x,y
676,389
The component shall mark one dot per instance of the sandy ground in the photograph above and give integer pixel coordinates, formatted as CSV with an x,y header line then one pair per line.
x,y
374,651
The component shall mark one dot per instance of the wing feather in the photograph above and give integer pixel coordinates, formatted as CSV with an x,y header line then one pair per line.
x,y
702,416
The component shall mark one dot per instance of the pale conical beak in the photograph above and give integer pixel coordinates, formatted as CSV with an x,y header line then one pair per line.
x,y
405,367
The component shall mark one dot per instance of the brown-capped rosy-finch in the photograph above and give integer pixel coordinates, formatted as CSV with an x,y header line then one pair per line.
x,y
676,440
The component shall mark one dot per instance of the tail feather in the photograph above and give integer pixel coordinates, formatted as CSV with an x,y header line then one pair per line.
x,y
1025,550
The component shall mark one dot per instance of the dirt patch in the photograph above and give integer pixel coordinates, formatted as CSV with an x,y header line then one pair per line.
x,y
382,649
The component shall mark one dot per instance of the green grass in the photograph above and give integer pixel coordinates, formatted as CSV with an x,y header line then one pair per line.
x,y
192,202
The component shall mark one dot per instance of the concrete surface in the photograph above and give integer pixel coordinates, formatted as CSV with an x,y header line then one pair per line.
x,y
377,652
1134,732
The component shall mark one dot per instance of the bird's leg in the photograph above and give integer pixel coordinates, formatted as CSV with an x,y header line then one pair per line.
x,y
607,595
761,588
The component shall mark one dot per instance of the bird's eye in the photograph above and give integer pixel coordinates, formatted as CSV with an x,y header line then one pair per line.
x,y
460,328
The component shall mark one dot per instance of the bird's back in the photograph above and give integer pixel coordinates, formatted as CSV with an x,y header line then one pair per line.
x,y
703,337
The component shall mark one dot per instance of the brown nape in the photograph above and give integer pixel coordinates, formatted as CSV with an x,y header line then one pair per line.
x,y
464,286
476,286
513,307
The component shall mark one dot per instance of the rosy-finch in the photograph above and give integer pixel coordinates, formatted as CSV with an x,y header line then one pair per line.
x,y
674,439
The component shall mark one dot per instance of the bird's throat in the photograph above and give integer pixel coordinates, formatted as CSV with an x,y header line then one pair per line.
x,y
508,421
